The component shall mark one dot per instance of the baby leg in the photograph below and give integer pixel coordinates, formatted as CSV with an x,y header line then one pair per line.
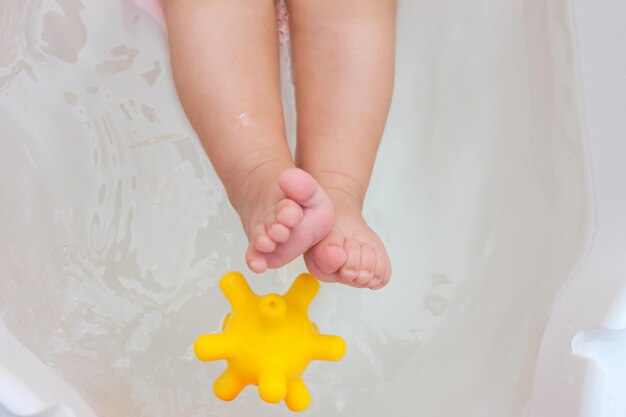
x,y
225,64
343,54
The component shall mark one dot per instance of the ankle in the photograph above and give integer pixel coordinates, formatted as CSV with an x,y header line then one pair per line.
x,y
258,181
345,191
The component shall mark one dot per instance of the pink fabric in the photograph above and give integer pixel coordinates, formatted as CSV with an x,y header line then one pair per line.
x,y
153,9
282,15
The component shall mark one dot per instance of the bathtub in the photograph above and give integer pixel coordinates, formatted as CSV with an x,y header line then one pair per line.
x,y
498,191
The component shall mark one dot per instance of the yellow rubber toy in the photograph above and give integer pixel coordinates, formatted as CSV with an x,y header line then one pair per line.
x,y
268,341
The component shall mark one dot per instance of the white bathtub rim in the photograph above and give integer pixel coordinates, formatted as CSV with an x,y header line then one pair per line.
x,y
28,388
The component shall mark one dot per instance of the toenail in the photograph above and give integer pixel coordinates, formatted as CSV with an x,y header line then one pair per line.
x,y
351,272
374,283
334,250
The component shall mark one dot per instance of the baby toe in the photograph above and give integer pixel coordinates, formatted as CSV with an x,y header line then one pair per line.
x,y
289,213
350,270
278,232
329,254
315,270
383,271
275,230
264,244
299,186
374,283
368,265
261,241
255,260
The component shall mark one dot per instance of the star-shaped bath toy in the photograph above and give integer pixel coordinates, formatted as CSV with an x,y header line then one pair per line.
x,y
268,341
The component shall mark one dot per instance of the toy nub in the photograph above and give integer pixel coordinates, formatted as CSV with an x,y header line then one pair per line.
x,y
268,341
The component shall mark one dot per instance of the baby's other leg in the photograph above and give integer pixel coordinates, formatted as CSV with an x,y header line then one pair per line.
x,y
343,55
224,57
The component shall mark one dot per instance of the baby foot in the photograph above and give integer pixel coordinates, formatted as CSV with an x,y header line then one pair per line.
x,y
351,253
284,219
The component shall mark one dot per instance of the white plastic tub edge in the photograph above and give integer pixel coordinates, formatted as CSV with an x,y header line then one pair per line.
x,y
29,388
581,371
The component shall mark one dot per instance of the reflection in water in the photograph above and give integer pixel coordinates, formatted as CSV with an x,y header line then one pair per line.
x,y
115,229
